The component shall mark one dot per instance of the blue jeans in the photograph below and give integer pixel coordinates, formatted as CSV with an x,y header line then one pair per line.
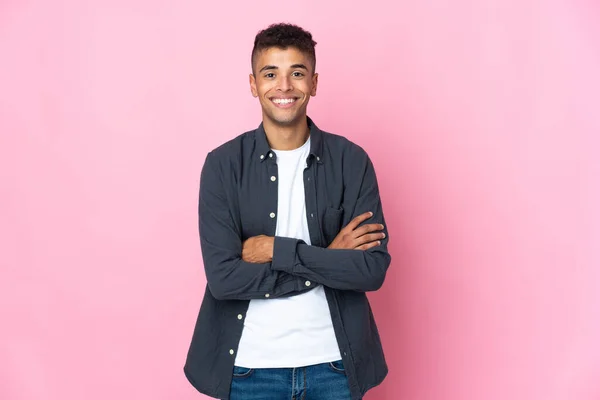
x,y
325,381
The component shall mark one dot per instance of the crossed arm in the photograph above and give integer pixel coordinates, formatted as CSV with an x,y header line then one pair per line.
x,y
259,249
272,267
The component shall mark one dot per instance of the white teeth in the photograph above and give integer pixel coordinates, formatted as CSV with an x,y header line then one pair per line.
x,y
283,101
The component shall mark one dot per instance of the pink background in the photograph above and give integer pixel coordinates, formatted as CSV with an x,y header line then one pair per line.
x,y
482,121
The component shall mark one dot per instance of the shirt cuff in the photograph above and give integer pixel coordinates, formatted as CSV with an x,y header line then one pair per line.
x,y
284,254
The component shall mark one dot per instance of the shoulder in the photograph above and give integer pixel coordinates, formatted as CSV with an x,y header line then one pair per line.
x,y
343,148
232,147
231,152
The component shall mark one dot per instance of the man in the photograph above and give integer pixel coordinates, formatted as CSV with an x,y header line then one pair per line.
x,y
292,235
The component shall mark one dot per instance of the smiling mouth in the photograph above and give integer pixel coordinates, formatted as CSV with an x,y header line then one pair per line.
x,y
284,103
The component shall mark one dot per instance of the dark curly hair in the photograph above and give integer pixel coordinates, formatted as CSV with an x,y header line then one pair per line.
x,y
284,35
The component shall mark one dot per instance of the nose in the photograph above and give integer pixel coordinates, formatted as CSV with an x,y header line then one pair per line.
x,y
284,84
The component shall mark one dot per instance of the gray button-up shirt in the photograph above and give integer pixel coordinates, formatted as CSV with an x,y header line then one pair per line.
x,y
238,200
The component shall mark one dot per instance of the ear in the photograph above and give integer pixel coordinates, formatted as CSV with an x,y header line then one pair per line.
x,y
315,81
253,85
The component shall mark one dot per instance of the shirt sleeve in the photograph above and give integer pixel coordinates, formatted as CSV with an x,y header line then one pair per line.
x,y
358,270
228,276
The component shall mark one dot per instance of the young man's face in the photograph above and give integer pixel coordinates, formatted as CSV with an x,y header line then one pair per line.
x,y
283,82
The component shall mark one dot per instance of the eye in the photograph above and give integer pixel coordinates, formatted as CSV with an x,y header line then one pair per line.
x,y
298,74
269,75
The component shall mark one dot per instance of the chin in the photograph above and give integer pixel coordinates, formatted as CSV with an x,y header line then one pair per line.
x,y
284,121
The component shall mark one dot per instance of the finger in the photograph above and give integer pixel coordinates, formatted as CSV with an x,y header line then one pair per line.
x,y
370,237
366,229
358,220
367,246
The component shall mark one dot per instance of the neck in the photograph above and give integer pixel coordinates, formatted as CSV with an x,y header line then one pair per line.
x,y
286,137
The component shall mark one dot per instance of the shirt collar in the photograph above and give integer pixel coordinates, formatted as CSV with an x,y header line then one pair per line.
x,y
316,142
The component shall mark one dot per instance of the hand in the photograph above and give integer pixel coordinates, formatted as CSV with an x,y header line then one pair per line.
x,y
258,249
352,237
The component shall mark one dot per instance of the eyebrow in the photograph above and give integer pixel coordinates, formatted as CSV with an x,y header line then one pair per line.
x,y
302,66
293,66
267,67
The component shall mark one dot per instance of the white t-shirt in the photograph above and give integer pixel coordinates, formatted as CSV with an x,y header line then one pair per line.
x,y
295,331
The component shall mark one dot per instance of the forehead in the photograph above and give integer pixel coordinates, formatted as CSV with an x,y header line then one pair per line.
x,y
281,58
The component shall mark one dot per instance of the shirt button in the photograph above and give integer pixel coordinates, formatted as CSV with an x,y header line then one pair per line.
x,y
318,159
307,283
267,295
309,178
272,215
231,351
240,316
312,215
262,156
271,155
273,178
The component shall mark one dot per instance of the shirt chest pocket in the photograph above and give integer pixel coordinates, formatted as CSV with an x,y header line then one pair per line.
x,y
332,223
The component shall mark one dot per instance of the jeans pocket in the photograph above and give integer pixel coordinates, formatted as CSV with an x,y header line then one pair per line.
x,y
337,366
242,372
